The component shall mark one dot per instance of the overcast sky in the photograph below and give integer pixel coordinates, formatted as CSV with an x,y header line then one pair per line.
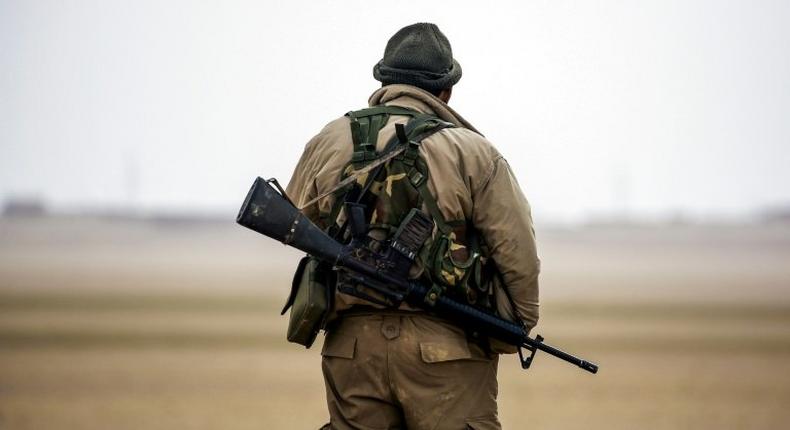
x,y
651,108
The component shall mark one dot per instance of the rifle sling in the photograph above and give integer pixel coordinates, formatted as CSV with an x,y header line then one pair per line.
x,y
390,155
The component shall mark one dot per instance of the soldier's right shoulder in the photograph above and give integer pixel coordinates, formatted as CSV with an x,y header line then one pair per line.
x,y
335,131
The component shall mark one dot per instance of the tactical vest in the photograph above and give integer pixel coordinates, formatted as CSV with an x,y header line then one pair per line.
x,y
453,261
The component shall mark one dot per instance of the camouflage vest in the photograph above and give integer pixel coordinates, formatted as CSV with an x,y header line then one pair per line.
x,y
452,260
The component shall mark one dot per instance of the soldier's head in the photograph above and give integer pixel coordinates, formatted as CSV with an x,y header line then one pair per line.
x,y
419,55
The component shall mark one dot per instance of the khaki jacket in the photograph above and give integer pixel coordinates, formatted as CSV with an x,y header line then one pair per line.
x,y
468,176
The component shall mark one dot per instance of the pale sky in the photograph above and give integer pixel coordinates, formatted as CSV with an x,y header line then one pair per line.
x,y
650,107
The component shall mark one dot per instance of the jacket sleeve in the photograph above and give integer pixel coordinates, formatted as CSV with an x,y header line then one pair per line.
x,y
302,187
502,215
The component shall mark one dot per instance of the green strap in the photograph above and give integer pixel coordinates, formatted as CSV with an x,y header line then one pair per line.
x,y
433,207
384,109
362,137
376,123
419,129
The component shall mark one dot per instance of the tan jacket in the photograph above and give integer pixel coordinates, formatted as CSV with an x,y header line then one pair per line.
x,y
468,176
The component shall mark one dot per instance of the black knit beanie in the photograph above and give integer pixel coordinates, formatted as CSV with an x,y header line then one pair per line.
x,y
419,55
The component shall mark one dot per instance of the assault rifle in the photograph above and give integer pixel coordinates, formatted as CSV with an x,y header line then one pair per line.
x,y
269,212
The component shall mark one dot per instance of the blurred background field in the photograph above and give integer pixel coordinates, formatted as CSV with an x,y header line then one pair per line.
x,y
650,137
162,323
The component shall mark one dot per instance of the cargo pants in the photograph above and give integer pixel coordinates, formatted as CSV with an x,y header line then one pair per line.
x,y
398,370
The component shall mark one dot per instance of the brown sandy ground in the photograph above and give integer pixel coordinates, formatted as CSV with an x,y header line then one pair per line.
x,y
166,324
131,362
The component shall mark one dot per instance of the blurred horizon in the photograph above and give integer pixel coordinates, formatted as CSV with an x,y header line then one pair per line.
x,y
32,207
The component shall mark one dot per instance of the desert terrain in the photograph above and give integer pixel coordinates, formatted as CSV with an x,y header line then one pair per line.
x,y
166,323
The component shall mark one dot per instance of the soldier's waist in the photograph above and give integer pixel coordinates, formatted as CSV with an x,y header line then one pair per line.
x,y
364,310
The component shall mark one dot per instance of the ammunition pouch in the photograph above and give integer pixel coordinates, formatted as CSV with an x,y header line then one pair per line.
x,y
461,271
310,301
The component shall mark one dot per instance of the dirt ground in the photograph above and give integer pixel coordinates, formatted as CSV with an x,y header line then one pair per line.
x,y
160,325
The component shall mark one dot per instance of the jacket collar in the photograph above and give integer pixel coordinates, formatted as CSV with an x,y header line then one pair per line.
x,y
420,100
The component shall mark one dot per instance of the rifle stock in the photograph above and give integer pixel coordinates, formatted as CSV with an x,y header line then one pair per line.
x,y
270,213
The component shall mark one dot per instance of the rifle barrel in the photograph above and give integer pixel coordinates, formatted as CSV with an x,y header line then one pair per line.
x,y
562,355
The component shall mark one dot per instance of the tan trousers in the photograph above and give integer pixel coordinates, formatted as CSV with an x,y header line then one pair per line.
x,y
387,370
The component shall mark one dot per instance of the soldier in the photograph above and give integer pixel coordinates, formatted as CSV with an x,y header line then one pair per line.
x,y
403,368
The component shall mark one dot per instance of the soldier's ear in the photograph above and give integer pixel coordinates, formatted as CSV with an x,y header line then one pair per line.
x,y
445,94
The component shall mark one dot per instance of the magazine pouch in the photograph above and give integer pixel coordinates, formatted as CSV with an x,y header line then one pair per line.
x,y
309,301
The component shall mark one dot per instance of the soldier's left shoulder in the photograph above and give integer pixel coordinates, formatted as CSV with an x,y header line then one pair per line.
x,y
468,142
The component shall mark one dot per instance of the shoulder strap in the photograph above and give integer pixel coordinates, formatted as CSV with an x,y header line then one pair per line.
x,y
365,127
384,109
421,128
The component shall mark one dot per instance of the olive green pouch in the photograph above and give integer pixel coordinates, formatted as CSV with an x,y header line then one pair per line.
x,y
459,277
309,301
